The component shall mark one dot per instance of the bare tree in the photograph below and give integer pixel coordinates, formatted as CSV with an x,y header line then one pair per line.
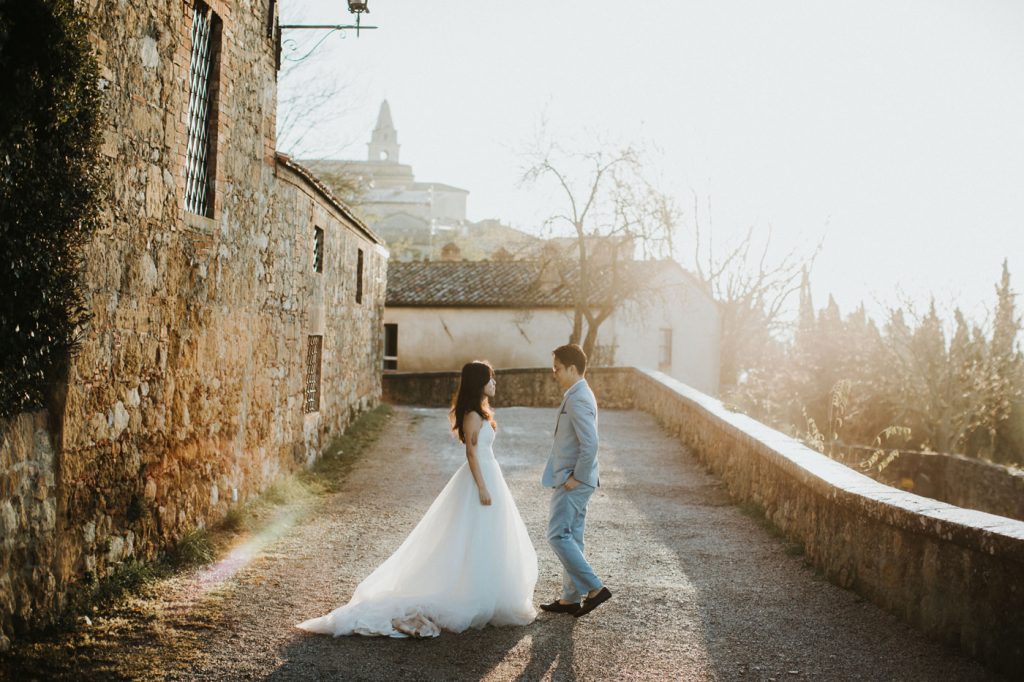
x,y
613,213
310,93
751,289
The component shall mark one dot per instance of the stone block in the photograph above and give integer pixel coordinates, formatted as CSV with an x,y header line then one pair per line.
x,y
149,52
116,551
117,420
89,533
8,519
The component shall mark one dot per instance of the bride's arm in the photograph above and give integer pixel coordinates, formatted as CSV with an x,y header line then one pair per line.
x,y
471,428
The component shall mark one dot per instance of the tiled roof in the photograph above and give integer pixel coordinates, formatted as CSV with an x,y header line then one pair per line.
x,y
486,284
469,283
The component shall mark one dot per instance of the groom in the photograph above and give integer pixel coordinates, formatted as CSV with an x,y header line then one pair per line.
x,y
572,472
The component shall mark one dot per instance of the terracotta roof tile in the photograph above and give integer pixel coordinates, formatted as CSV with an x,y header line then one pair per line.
x,y
469,283
491,284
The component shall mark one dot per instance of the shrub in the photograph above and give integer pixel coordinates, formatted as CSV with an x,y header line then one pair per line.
x,y
50,126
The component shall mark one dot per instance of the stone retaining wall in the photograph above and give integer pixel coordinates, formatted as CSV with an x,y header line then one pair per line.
x,y
957,574
28,515
530,387
962,481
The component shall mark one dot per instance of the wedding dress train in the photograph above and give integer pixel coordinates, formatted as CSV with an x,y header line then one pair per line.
x,y
464,565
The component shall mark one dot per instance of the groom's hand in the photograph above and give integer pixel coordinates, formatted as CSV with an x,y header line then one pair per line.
x,y
571,483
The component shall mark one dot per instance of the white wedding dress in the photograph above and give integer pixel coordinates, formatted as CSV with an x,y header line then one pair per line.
x,y
464,565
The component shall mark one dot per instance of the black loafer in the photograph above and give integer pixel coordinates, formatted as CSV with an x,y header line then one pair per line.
x,y
591,603
558,607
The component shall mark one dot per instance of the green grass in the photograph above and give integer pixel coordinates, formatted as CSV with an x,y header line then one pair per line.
x,y
234,521
194,548
129,578
345,450
286,491
326,475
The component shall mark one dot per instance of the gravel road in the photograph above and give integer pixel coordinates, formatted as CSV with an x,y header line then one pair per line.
x,y
702,591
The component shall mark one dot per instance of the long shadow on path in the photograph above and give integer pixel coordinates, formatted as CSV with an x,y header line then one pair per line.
x,y
762,612
543,649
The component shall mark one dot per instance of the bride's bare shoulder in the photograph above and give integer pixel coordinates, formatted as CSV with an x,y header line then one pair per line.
x,y
472,420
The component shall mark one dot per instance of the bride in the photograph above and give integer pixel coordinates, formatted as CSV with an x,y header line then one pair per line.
x,y
468,563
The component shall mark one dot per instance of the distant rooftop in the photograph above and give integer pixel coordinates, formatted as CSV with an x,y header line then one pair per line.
x,y
489,284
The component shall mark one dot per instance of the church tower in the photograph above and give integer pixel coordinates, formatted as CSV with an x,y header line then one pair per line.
x,y
384,142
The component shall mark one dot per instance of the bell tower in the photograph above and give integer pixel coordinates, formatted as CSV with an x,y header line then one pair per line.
x,y
384,142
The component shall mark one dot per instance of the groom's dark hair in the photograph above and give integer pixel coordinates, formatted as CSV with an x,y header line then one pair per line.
x,y
572,354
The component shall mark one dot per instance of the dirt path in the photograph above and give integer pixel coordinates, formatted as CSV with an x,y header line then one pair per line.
x,y
702,591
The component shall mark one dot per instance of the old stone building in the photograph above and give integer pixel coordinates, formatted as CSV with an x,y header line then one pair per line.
x,y
416,218
237,308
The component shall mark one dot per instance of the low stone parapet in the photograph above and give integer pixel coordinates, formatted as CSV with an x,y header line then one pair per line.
x,y
957,574
963,481
529,387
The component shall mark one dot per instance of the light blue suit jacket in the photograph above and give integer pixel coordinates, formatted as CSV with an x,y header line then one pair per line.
x,y
575,447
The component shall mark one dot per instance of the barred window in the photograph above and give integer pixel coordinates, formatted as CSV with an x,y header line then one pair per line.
x,y
318,250
314,348
200,153
359,277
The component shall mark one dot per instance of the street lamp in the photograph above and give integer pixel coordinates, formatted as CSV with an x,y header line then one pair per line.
x,y
356,7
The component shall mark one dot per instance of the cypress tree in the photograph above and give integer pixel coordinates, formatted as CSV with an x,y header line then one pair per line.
x,y
1003,378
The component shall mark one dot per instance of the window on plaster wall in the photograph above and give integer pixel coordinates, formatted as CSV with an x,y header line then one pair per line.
x,y
204,76
314,350
391,346
664,348
359,277
318,250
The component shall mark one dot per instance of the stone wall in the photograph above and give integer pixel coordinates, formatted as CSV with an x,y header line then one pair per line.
x,y
28,515
187,395
962,481
528,387
957,574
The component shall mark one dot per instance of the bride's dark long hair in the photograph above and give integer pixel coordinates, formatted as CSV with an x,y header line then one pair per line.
x,y
469,396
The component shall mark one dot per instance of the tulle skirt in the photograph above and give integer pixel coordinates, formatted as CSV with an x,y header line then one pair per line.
x,y
463,566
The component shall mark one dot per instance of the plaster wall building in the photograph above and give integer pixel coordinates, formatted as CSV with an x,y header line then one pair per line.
x,y
440,315
236,305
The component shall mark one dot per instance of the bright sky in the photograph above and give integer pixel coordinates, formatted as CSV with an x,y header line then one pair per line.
x,y
894,129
